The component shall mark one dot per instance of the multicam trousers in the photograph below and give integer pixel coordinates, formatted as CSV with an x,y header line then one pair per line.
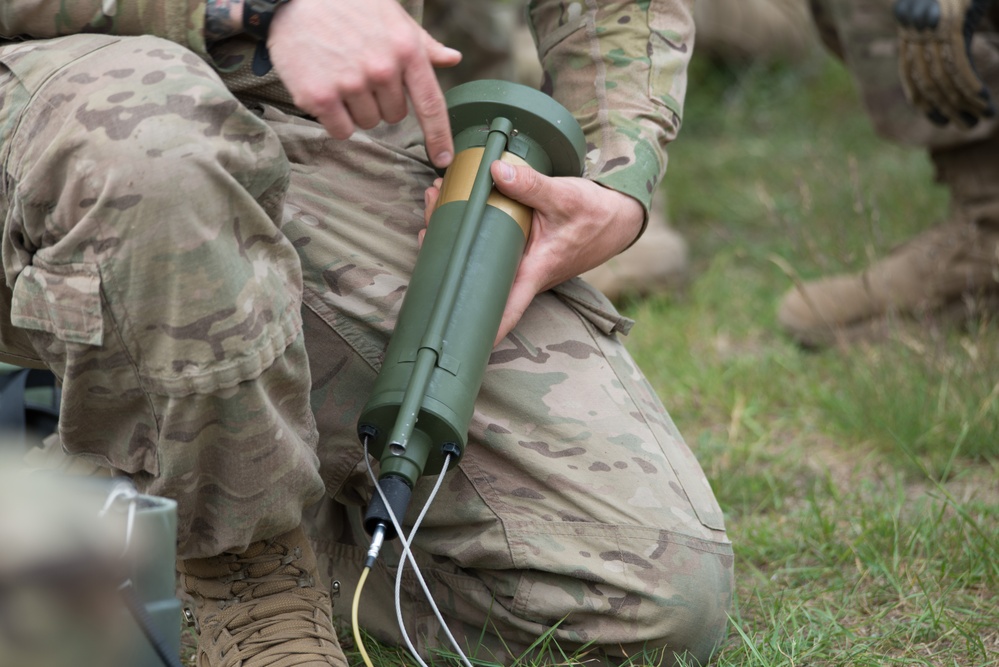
x,y
214,284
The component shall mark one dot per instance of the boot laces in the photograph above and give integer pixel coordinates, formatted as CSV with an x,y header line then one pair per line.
x,y
273,612
246,587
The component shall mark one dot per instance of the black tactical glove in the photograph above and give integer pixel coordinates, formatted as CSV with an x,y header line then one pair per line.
x,y
935,63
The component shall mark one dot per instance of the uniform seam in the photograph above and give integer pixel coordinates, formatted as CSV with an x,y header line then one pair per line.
x,y
500,518
157,421
599,82
621,529
33,97
312,301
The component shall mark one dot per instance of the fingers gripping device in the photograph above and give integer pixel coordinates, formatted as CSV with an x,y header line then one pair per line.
x,y
418,414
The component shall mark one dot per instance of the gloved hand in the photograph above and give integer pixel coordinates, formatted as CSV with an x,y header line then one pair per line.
x,y
935,63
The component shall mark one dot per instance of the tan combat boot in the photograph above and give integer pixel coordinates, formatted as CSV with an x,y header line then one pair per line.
x,y
956,258
753,30
262,608
657,262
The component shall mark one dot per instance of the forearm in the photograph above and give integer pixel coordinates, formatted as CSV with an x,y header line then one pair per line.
x,y
621,69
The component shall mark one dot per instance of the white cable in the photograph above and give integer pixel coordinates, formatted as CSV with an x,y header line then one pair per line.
x,y
407,553
123,488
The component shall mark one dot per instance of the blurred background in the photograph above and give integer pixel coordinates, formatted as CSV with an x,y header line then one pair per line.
x,y
859,481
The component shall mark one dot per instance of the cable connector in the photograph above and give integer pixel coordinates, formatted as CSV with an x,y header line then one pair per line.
x,y
377,539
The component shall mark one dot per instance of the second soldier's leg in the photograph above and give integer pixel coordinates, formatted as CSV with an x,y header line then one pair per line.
x,y
954,258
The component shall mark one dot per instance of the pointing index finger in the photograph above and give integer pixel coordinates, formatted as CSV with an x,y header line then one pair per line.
x,y
431,111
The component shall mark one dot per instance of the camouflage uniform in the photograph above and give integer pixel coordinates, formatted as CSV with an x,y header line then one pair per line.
x,y
496,42
864,36
215,280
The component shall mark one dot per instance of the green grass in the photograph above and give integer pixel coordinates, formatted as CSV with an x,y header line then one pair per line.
x,y
859,483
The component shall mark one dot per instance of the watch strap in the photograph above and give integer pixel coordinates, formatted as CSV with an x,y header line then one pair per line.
x,y
257,17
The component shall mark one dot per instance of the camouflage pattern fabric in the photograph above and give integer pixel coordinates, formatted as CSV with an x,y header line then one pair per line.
x,y
164,245
169,309
489,33
864,34
620,68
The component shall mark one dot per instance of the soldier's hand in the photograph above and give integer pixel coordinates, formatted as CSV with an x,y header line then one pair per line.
x,y
935,63
577,225
353,64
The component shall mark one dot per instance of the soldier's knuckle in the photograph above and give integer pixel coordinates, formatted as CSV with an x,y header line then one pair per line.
x,y
535,185
405,47
428,100
382,71
353,84
316,99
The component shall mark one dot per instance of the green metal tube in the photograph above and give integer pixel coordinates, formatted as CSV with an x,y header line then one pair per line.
x,y
424,397
430,347
461,349
409,463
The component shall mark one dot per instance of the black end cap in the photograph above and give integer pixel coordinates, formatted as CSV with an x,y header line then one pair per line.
x,y
398,494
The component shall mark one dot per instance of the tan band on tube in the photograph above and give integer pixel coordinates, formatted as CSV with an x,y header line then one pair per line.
x,y
460,177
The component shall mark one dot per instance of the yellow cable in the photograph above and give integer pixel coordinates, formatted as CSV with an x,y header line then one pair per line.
x,y
353,618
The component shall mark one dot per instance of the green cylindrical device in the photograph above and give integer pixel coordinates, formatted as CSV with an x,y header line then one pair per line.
x,y
423,399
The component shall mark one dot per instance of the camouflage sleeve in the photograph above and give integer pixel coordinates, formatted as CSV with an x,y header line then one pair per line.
x,y
181,21
621,69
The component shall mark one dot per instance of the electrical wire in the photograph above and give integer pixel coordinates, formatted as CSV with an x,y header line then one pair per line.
x,y
353,617
407,553
405,542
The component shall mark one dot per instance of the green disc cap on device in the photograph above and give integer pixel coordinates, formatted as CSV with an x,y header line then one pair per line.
x,y
535,116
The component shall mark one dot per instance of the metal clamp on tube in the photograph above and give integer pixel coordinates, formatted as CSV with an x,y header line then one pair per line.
x,y
424,396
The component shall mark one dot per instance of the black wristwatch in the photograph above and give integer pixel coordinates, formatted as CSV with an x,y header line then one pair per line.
x,y
257,17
